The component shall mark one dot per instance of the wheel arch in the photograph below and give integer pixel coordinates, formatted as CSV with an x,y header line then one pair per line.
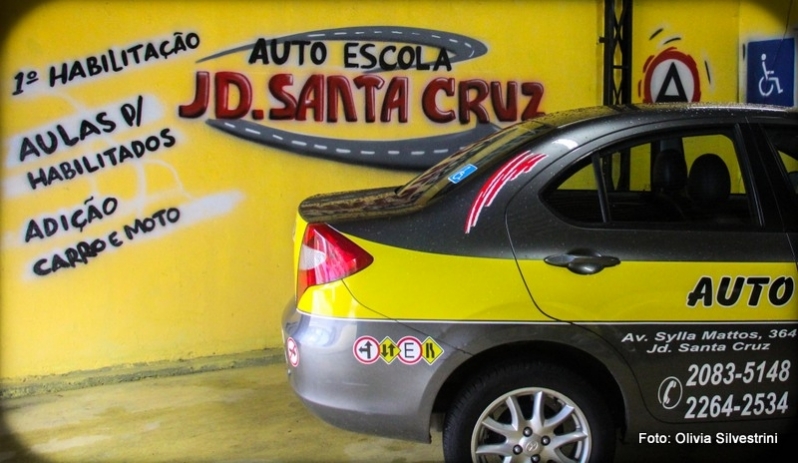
x,y
578,361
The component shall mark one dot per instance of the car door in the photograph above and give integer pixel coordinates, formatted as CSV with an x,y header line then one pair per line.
x,y
669,245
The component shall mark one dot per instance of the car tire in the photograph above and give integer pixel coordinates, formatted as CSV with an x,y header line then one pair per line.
x,y
479,426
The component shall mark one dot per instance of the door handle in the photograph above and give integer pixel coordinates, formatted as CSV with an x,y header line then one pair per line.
x,y
582,262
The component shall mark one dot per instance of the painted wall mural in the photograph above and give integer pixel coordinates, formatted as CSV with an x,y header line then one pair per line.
x,y
151,170
152,165
683,58
374,94
57,153
65,151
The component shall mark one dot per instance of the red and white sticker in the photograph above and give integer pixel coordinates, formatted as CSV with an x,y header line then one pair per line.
x,y
510,171
366,349
292,352
671,76
409,350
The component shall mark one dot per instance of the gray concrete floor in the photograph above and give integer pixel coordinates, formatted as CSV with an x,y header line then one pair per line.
x,y
246,414
236,415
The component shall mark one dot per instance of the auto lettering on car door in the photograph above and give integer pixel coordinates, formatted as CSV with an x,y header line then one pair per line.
x,y
659,245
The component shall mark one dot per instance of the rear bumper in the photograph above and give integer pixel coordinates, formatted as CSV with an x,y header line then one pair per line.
x,y
336,368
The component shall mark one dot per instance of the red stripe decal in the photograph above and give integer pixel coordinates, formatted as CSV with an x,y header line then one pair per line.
x,y
511,170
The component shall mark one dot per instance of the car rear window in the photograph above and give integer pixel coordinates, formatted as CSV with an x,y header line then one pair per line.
x,y
455,169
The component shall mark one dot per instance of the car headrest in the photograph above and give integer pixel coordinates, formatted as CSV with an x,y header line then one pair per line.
x,y
669,172
709,182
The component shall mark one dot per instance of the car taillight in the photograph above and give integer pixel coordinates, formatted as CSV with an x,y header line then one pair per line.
x,y
326,255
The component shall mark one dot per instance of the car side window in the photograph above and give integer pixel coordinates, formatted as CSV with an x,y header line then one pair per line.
x,y
785,142
690,181
575,196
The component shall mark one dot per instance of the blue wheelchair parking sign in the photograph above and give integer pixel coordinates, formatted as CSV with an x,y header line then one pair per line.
x,y
771,72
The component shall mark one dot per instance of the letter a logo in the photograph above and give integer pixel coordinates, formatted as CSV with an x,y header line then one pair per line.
x,y
671,76
672,89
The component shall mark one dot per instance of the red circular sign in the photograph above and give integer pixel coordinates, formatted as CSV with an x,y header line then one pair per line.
x,y
292,352
366,349
409,350
671,76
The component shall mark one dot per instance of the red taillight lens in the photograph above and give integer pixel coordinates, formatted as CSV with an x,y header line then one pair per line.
x,y
326,255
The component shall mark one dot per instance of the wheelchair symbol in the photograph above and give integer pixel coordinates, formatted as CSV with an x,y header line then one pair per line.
x,y
464,172
769,80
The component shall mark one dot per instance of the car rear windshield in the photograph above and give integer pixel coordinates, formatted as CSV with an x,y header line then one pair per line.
x,y
453,170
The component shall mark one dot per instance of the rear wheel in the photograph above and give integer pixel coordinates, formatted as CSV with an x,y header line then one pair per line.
x,y
528,412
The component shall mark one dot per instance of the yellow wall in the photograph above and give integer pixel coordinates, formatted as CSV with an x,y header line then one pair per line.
x,y
704,32
713,34
215,278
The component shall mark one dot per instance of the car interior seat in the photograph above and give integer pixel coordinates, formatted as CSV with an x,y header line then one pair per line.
x,y
668,182
709,187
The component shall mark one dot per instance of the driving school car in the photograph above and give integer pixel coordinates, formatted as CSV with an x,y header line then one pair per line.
x,y
615,273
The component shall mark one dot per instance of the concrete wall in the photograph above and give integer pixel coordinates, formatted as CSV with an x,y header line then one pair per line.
x,y
154,152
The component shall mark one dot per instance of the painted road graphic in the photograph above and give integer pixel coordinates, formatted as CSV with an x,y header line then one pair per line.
x,y
416,153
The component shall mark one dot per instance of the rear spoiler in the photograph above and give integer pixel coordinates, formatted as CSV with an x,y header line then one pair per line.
x,y
357,205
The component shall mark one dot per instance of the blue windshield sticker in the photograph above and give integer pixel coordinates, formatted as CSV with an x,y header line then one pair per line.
x,y
462,173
